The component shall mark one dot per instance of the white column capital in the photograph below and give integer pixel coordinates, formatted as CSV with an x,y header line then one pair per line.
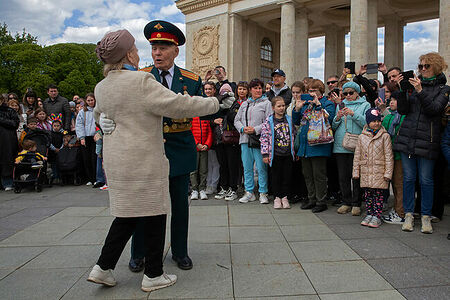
x,y
282,2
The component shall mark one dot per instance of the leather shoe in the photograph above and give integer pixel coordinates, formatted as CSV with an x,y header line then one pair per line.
x,y
319,208
184,263
307,205
136,265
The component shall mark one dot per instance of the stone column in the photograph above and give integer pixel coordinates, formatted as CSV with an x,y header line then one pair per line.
x,y
340,51
444,25
372,31
287,39
331,51
359,44
301,45
235,70
393,41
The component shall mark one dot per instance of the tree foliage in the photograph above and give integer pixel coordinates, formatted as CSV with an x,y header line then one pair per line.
x,y
74,68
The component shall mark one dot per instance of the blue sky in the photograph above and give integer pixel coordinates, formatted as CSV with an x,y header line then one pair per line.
x,y
86,21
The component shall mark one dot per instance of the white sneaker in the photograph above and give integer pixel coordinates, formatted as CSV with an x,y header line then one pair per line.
x,y
263,198
221,194
89,183
100,276
104,188
231,196
248,197
194,195
151,284
210,190
8,188
203,195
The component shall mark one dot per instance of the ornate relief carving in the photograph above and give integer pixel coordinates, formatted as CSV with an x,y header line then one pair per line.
x,y
205,53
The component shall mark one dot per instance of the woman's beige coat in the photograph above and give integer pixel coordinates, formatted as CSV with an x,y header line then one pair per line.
x,y
136,167
373,160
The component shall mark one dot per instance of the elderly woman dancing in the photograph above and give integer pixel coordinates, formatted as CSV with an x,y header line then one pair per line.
x,y
140,195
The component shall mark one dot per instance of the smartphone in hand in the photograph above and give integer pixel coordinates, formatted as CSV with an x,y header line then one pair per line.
x,y
404,84
341,105
382,94
351,66
372,68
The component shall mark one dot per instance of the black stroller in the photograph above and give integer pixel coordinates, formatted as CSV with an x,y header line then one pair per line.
x,y
24,173
68,164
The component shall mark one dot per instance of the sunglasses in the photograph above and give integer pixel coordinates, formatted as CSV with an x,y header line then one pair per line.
x,y
425,66
348,93
331,82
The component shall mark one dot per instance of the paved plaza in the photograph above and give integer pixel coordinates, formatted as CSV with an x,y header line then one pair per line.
x,y
49,241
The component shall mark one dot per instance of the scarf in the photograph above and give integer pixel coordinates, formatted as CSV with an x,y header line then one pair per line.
x,y
395,122
373,131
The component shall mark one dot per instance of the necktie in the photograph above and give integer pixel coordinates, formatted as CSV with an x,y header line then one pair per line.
x,y
163,76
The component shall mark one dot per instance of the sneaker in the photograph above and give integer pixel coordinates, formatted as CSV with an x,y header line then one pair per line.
x,y
98,184
285,203
231,196
151,284
344,209
100,276
210,190
104,188
375,222
194,195
393,218
8,188
221,194
366,220
203,195
277,203
89,183
408,225
248,197
263,198
434,219
356,211
426,225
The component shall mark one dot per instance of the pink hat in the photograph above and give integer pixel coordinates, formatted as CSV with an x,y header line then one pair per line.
x,y
114,46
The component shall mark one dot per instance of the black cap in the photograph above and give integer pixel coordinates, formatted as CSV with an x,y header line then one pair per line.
x,y
279,72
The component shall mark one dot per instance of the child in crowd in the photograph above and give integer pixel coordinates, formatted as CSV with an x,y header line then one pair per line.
x,y
42,119
373,164
100,179
277,149
29,154
392,123
31,126
203,139
57,135
73,116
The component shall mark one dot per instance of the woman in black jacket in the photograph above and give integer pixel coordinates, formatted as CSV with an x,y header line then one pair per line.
x,y
9,122
419,135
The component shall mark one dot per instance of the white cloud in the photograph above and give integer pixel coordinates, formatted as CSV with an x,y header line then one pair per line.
x,y
317,66
169,10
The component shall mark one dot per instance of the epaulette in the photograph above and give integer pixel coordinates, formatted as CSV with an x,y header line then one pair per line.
x,y
147,69
189,74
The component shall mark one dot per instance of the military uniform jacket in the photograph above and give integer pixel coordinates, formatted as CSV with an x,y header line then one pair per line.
x,y
180,146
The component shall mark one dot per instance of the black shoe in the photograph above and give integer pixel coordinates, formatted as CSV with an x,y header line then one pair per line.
x,y
308,205
319,208
294,199
184,263
98,184
136,265
337,202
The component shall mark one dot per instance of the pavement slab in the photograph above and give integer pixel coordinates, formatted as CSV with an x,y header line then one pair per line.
x,y
322,251
262,254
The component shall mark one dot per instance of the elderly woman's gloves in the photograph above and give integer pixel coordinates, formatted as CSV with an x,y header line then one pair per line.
x,y
106,124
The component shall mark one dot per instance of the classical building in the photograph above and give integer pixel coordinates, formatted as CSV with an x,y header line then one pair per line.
x,y
252,37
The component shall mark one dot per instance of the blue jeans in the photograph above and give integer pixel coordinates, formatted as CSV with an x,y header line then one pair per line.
x,y
424,167
250,156
100,175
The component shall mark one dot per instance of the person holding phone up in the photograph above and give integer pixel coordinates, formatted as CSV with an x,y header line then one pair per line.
x,y
418,138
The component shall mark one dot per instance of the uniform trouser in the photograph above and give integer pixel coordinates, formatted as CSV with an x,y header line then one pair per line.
x,y
178,189
251,156
315,172
230,164
154,232
198,177
397,187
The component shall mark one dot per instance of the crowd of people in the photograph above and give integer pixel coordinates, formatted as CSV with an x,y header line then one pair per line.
x,y
341,143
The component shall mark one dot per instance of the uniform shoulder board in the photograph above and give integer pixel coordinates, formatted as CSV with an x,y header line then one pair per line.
x,y
147,69
189,74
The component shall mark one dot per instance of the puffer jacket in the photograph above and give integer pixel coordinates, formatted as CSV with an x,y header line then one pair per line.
x,y
258,111
85,123
201,130
373,159
420,131
355,123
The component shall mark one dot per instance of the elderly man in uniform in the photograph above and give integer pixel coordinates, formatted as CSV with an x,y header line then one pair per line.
x,y
179,145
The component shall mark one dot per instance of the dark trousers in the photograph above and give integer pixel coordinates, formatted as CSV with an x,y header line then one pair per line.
x,y
345,169
89,159
178,189
229,157
333,181
298,186
154,232
281,175
315,172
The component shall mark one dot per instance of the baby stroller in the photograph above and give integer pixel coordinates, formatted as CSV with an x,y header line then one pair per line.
x,y
25,174
68,163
